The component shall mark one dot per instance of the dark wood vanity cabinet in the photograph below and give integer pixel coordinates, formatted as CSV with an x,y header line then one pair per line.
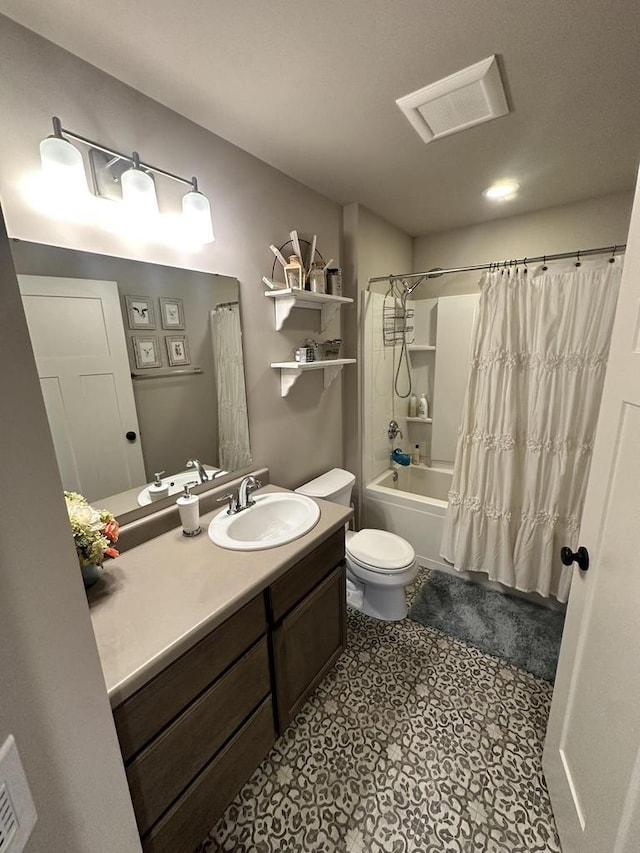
x,y
193,735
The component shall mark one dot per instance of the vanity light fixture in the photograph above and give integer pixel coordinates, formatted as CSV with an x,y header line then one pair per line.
x,y
120,176
62,164
196,211
501,190
138,189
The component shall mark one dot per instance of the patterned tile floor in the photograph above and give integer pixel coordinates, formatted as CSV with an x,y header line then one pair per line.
x,y
414,743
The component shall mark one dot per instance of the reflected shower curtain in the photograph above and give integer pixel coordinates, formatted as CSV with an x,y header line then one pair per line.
x,y
233,424
529,419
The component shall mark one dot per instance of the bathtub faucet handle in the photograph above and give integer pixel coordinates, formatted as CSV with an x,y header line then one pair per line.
x,y
393,430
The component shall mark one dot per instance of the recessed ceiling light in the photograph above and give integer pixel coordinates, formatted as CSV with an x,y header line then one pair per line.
x,y
502,190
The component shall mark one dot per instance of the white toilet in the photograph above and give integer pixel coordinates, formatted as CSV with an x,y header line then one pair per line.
x,y
379,564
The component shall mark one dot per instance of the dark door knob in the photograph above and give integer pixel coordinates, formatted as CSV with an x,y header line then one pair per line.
x,y
581,557
131,435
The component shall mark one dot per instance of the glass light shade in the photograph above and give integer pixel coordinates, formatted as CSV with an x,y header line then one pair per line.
x,y
502,191
139,191
63,167
197,217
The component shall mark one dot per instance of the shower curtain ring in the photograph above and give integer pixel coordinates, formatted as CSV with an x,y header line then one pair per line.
x,y
578,264
544,263
525,266
612,259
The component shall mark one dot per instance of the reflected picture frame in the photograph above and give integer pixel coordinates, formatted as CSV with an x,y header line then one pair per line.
x,y
171,313
140,313
178,350
146,351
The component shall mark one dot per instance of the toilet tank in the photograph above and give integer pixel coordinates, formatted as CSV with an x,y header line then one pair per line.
x,y
334,486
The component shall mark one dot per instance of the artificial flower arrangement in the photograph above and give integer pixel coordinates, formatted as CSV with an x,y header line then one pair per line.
x,y
94,530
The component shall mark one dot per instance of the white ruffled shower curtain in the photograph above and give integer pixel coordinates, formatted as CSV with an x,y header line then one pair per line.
x,y
233,425
538,361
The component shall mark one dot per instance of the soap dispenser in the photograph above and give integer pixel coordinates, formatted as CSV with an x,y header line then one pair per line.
x,y
158,489
189,508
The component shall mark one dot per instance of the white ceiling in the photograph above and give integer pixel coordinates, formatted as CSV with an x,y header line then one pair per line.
x,y
310,87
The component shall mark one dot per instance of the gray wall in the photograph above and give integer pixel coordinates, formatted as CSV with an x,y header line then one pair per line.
x,y
253,205
371,247
581,225
178,417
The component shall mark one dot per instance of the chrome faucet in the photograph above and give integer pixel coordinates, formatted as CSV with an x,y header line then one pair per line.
x,y
248,484
195,463
241,500
393,430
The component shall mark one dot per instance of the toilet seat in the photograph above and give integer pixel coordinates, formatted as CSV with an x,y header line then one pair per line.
x,y
380,551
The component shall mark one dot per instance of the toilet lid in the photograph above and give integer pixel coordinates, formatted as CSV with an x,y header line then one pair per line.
x,y
381,550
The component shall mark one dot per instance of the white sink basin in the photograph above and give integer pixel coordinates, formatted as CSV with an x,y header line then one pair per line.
x,y
276,518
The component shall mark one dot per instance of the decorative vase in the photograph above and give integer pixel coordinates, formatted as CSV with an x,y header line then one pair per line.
x,y
90,574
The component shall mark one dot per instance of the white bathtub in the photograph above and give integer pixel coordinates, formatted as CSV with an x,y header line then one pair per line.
x,y
413,507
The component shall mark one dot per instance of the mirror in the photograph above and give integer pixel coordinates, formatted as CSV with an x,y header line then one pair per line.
x,y
141,370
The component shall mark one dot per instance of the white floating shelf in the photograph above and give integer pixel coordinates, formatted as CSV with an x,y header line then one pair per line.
x,y
419,420
420,348
286,300
291,371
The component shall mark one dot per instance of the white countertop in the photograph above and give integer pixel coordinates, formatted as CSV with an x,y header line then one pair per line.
x,y
157,600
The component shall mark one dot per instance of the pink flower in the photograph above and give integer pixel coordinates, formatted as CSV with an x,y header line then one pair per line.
x,y
111,530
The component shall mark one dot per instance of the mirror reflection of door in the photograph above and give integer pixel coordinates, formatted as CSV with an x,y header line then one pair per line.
x,y
79,344
177,409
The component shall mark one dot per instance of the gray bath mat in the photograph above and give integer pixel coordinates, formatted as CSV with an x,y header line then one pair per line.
x,y
512,629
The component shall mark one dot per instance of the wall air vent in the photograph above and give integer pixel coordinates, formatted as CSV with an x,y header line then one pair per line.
x,y
464,99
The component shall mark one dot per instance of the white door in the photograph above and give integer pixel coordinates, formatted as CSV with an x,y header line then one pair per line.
x,y
81,353
592,752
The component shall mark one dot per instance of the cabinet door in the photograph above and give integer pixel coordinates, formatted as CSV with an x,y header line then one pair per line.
x,y
307,642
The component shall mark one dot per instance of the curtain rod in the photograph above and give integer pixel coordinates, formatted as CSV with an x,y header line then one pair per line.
x,y
436,273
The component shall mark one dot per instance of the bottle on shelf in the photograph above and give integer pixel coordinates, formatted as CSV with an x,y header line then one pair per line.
x,y
317,278
423,407
413,406
415,456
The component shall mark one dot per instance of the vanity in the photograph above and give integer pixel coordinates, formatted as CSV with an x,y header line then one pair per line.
x,y
208,654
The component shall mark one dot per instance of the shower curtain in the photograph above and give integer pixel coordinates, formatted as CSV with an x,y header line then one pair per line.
x,y
233,425
529,418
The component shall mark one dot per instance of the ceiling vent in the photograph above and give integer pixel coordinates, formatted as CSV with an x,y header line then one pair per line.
x,y
464,99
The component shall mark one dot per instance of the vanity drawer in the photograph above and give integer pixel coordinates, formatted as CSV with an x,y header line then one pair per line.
x,y
161,772
301,578
139,718
191,817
